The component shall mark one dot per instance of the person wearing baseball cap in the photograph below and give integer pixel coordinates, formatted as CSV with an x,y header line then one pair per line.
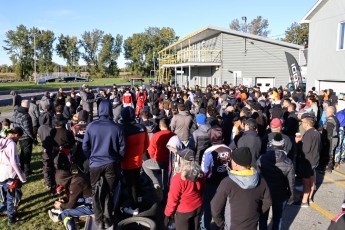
x,y
310,156
276,127
244,185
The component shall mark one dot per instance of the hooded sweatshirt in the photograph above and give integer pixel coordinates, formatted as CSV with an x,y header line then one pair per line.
x,y
9,161
45,129
247,196
174,159
77,186
104,141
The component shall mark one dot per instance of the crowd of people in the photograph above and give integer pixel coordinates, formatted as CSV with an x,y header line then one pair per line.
x,y
217,158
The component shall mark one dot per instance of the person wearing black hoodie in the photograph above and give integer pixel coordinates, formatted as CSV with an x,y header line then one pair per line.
x,y
79,190
47,157
241,196
104,146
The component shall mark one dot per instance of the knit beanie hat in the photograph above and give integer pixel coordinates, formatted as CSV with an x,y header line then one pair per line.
x,y
128,114
278,140
201,119
242,156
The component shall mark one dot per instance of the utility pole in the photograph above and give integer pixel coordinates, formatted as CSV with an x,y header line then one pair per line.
x,y
154,64
244,18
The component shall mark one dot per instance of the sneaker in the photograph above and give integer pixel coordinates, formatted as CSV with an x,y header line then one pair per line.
x,y
337,166
304,205
131,211
13,220
53,216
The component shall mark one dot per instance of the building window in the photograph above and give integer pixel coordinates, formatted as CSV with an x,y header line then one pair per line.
x,y
341,36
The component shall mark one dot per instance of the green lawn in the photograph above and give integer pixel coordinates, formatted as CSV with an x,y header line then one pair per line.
x,y
32,85
36,200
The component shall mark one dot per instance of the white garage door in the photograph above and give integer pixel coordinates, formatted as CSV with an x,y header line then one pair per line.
x,y
265,83
337,86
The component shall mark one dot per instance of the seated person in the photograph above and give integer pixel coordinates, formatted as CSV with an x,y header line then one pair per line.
x,y
79,189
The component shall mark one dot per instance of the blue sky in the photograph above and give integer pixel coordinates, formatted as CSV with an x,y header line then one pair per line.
x,y
73,17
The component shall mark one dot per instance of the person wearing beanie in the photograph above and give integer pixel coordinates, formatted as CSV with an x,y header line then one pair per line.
x,y
244,185
22,119
137,142
17,100
276,127
104,145
279,173
201,141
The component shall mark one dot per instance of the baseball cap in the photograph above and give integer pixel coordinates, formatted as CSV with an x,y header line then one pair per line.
x,y
276,122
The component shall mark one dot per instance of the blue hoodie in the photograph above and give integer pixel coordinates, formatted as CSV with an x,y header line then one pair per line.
x,y
104,140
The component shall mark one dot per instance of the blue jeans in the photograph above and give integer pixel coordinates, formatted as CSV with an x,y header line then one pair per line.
x,y
277,208
67,215
9,199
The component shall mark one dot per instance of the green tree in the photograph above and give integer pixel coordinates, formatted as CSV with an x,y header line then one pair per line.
x,y
44,50
91,42
18,46
297,33
68,48
109,53
258,26
140,48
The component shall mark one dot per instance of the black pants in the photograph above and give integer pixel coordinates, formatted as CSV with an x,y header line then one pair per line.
x,y
188,220
25,154
109,172
35,129
132,177
48,168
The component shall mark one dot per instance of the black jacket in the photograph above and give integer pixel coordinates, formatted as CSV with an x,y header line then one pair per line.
x,y
251,140
279,173
22,119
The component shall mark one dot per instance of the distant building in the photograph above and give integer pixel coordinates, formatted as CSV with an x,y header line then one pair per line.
x,y
326,48
214,55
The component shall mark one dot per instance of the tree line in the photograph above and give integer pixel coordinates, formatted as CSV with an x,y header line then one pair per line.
x,y
100,51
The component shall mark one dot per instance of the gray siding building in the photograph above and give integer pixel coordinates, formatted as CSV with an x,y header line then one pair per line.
x,y
326,50
214,55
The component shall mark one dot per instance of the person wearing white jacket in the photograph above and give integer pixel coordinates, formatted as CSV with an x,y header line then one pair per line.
x,y
10,169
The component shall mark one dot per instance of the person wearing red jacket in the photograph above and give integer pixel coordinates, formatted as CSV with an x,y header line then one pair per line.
x,y
127,99
185,196
137,141
159,155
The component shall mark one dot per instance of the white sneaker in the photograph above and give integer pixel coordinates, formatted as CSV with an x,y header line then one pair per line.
x,y
53,216
131,211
